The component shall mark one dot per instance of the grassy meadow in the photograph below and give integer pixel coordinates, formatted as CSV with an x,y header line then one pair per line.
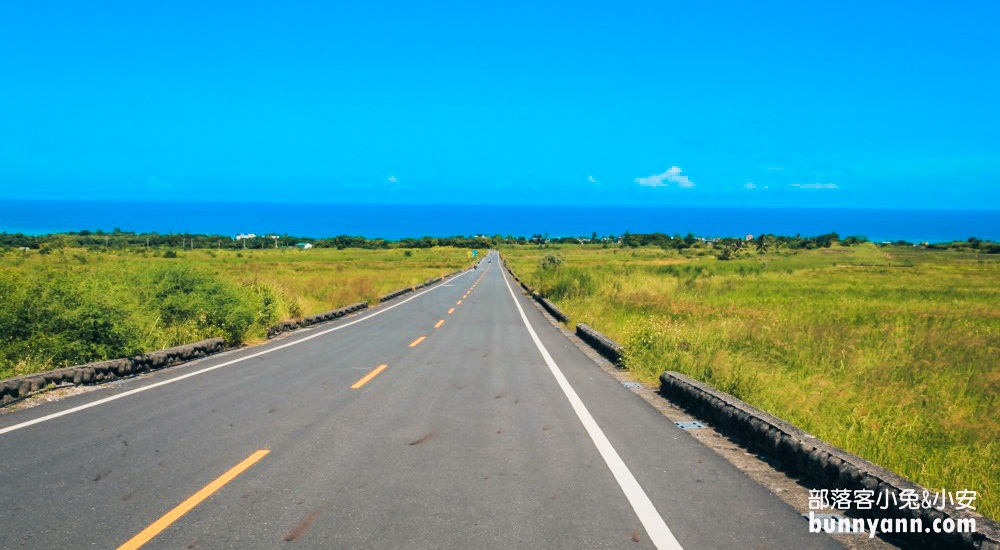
x,y
73,306
890,353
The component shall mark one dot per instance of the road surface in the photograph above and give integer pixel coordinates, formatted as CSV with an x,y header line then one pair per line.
x,y
453,417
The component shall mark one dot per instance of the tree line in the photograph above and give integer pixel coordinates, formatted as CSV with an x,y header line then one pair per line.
x,y
127,240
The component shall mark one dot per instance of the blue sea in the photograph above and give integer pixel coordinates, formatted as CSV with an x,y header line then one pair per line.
x,y
396,221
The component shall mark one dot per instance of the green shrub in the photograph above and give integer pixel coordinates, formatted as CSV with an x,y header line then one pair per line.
x,y
200,305
50,318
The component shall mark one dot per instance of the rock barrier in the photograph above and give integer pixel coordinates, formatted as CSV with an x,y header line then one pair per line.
x,y
824,464
286,326
15,389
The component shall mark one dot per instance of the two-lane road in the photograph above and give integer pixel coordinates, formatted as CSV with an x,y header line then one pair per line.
x,y
455,417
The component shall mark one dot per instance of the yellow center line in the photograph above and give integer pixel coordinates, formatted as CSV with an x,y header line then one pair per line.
x,y
450,311
416,342
458,303
439,323
367,378
159,525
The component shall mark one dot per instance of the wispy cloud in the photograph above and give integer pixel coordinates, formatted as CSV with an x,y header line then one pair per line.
x,y
591,179
392,179
750,185
815,185
673,175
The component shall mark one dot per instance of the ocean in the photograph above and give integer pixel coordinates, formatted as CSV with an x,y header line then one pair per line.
x,y
396,221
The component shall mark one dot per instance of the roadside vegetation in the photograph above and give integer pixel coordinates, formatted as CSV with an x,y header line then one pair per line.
x,y
887,351
66,306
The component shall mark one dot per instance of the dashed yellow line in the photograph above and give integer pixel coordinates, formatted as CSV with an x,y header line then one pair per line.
x,y
367,378
450,311
458,303
159,525
416,342
439,323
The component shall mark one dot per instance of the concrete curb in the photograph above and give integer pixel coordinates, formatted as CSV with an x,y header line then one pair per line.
x,y
428,282
15,389
796,451
822,463
337,313
549,306
611,350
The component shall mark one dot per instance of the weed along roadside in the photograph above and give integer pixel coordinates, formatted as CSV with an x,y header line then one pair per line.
x,y
887,353
113,315
72,307
14,390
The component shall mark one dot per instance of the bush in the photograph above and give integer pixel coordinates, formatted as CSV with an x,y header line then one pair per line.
x,y
199,305
54,320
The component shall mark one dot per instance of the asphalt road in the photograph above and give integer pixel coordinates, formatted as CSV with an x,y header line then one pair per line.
x,y
493,431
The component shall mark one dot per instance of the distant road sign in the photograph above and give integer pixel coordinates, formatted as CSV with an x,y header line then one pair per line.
x,y
475,253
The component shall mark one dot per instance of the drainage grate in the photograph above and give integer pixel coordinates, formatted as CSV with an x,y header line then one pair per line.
x,y
835,523
689,425
632,384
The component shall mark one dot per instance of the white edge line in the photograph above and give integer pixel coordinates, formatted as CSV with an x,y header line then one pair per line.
x,y
651,520
109,399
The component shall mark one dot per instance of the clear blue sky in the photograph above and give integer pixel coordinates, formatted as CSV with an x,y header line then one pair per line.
x,y
872,104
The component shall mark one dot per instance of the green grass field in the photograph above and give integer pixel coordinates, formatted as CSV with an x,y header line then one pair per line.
x,y
74,306
889,353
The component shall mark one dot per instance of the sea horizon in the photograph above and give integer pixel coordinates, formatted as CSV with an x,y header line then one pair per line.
x,y
398,220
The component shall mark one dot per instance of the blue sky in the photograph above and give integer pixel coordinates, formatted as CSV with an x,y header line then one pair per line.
x,y
888,104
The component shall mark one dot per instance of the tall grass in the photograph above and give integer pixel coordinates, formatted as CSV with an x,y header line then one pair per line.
x,y
76,306
891,355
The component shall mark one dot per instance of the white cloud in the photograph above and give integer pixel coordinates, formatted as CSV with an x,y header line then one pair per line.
x,y
591,179
815,185
750,185
392,179
673,175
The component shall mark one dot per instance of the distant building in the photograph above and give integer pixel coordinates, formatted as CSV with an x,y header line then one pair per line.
x,y
304,246
749,236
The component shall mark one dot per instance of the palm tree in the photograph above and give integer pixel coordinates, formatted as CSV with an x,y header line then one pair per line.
x,y
762,243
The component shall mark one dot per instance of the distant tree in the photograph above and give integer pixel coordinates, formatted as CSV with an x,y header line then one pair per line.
x,y
827,240
763,243
731,249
